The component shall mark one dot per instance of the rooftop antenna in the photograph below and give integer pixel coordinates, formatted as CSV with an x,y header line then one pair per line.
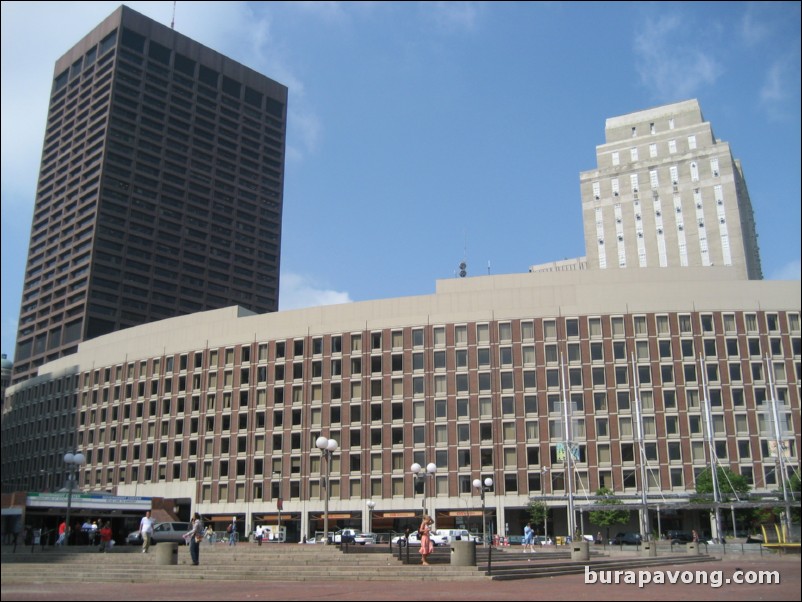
x,y
172,23
463,266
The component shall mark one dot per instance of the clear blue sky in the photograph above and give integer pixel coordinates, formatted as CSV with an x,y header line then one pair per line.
x,y
422,133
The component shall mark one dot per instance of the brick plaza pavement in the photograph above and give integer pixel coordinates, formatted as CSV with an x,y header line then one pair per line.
x,y
569,587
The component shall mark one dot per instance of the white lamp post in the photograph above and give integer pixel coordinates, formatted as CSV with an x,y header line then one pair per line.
x,y
371,505
482,487
73,462
326,447
545,471
416,469
279,504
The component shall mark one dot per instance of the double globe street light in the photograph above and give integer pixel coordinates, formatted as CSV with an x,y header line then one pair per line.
x,y
417,471
73,462
482,487
326,447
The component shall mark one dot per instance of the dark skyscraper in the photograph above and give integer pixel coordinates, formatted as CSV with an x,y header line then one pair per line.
x,y
160,189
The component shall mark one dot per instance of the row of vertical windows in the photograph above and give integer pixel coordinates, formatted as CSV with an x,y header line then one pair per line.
x,y
640,326
654,180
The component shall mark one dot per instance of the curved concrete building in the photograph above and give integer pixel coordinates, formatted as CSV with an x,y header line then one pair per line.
x,y
220,410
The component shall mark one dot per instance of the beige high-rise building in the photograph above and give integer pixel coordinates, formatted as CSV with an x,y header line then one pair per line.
x,y
667,193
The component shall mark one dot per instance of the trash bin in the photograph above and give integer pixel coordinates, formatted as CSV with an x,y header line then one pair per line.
x,y
463,553
166,553
692,548
649,548
580,550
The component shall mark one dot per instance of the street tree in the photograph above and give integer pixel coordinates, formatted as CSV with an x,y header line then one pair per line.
x,y
538,511
607,518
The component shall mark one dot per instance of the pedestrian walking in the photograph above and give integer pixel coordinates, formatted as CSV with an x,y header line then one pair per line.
x,y
106,541
232,532
529,538
146,531
62,534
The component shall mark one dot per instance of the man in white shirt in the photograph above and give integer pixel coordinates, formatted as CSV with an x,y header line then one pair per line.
x,y
146,531
86,529
93,532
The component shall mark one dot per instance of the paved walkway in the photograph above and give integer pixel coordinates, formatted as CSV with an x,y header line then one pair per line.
x,y
569,587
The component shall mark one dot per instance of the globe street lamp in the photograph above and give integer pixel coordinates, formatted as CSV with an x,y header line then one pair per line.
x,y
326,447
73,462
487,486
371,505
416,469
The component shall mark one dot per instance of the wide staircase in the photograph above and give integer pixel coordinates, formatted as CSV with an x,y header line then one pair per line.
x,y
509,564
294,562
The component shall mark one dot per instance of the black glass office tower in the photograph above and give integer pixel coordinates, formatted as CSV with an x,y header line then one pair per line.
x,y
160,189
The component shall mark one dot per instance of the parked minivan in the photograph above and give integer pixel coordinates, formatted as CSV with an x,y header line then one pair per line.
x,y
450,535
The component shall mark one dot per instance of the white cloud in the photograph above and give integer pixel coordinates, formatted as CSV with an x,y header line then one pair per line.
x,y
772,89
297,291
753,31
790,271
327,10
669,63
306,127
780,91
455,16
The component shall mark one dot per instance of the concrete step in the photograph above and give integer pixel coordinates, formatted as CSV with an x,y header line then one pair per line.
x,y
131,574
532,570
241,563
297,563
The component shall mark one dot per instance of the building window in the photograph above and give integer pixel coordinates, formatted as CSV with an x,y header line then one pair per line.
x,y
397,339
505,331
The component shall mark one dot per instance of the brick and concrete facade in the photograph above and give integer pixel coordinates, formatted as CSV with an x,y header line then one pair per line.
x,y
222,408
